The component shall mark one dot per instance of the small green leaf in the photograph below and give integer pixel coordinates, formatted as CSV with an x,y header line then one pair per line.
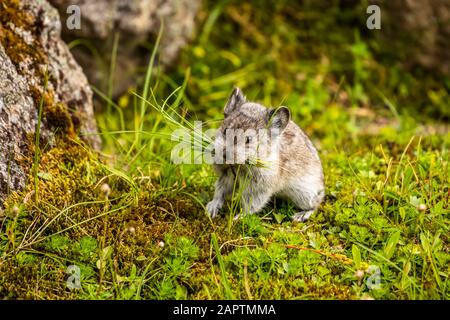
x,y
391,244
106,254
278,217
133,272
405,280
402,212
424,241
45,176
356,255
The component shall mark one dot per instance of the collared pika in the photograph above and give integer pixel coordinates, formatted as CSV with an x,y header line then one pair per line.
x,y
266,154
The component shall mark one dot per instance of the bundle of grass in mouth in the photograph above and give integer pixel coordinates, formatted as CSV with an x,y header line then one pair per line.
x,y
201,141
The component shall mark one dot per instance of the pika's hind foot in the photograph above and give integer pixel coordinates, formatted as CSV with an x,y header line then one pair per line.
x,y
302,216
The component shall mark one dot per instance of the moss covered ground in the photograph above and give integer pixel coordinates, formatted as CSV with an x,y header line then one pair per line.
x,y
134,223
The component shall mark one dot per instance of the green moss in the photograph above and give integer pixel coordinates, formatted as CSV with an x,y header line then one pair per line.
x,y
12,15
71,176
58,116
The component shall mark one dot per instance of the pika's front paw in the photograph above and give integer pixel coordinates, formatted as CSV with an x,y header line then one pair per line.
x,y
213,208
302,216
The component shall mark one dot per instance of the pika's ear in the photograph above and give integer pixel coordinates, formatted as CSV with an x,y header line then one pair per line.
x,y
235,100
279,118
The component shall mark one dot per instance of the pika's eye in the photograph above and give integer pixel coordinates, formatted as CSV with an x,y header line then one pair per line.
x,y
248,140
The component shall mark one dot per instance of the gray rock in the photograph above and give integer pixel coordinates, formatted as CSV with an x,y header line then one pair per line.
x,y
29,44
419,30
138,23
